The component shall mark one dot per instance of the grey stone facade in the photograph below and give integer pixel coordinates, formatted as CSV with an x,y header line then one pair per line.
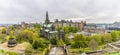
x,y
64,23
47,28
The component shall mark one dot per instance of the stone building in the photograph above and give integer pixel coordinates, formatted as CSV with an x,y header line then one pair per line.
x,y
94,28
47,28
61,34
64,23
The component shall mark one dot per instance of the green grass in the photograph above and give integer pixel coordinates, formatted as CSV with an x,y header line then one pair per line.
x,y
115,53
81,50
8,52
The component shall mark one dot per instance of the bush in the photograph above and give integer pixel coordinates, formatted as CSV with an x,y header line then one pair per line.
x,y
11,53
26,35
3,38
8,53
60,42
53,40
39,43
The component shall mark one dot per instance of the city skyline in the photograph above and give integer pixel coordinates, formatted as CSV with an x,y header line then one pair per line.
x,y
102,11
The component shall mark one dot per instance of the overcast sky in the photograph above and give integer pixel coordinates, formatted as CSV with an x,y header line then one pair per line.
x,y
95,11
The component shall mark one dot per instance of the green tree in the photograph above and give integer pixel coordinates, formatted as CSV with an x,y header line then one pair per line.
x,y
97,38
61,42
66,29
53,40
26,35
67,40
107,38
115,35
87,40
36,25
4,30
58,28
40,43
3,38
78,41
73,29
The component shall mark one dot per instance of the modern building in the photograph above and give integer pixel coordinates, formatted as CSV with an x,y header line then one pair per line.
x,y
114,26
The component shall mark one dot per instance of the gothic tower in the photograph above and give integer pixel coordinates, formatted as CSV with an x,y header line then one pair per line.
x,y
47,21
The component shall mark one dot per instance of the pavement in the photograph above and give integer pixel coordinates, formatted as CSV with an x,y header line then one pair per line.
x,y
56,51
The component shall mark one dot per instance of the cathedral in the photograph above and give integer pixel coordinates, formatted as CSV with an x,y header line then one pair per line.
x,y
47,28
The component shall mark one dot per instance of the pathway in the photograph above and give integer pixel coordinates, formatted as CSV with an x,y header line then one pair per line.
x,y
57,51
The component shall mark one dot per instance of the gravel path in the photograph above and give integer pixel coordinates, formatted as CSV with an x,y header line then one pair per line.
x,y
19,48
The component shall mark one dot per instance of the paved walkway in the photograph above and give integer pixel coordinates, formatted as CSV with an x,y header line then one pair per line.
x,y
56,51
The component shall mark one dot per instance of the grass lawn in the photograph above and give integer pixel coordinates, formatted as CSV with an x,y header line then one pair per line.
x,y
115,53
7,52
81,50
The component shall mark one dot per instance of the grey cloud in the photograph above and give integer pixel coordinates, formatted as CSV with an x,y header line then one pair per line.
x,y
14,11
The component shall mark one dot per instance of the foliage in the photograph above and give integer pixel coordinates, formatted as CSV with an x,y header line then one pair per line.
x,y
115,35
11,53
93,44
86,49
68,29
26,35
78,41
2,38
67,40
73,29
36,25
12,34
107,38
36,28
58,28
8,53
83,41
60,42
113,53
97,38
3,30
39,43
53,40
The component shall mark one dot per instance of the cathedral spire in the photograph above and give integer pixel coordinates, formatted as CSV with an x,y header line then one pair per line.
x,y
47,18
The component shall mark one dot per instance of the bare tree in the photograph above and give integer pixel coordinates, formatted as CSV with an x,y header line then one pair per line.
x,y
93,44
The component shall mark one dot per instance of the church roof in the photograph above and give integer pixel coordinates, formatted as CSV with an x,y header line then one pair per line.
x,y
47,25
53,32
47,30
